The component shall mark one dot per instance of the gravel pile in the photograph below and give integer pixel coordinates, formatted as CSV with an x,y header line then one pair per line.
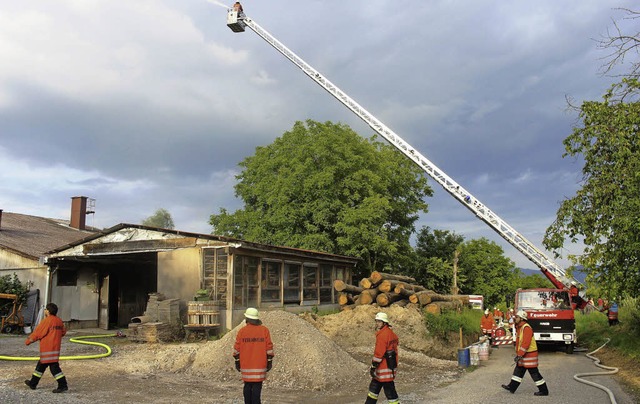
x,y
304,357
311,353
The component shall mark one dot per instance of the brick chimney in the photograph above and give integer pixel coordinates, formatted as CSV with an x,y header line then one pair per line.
x,y
78,212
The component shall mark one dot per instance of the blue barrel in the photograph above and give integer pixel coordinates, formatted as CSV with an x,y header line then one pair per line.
x,y
464,358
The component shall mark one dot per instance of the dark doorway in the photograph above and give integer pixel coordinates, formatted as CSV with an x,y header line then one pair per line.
x,y
130,280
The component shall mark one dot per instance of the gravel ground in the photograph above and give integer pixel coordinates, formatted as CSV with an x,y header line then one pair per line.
x,y
322,360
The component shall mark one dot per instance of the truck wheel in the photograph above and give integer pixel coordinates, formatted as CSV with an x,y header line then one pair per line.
x,y
569,349
7,329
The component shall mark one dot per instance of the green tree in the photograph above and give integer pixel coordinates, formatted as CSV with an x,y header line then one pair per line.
x,y
437,243
604,213
162,218
320,186
434,273
484,270
434,253
533,281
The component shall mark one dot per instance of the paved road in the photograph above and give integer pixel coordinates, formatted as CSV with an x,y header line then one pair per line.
x,y
557,368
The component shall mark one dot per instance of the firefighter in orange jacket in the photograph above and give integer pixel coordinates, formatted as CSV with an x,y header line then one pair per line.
x,y
487,324
497,314
526,357
253,354
49,332
384,363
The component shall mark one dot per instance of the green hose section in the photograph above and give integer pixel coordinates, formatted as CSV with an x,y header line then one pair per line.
x,y
77,340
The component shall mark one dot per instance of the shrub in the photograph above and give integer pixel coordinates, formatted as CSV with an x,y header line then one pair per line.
x,y
12,285
630,315
451,322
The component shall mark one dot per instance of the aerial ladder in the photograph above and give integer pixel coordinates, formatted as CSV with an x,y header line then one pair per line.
x,y
238,21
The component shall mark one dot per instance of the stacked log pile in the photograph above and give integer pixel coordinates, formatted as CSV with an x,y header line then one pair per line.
x,y
385,289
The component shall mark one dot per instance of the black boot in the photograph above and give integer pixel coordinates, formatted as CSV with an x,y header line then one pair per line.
x,y
511,387
542,390
33,383
62,385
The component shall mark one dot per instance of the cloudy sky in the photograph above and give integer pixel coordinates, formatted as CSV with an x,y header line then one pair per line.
x,y
152,104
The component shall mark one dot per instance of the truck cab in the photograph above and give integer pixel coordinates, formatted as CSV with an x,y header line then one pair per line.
x,y
551,316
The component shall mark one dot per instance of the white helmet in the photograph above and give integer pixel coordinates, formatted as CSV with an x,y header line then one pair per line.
x,y
486,311
522,314
252,313
382,317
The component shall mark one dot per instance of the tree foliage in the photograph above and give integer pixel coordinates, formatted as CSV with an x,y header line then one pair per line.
x,y
484,270
320,186
433,265
437,243
605,212
161,218
533,281
622,47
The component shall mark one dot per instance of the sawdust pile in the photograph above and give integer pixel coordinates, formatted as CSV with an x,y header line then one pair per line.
x,y
304,357
311,352
356,328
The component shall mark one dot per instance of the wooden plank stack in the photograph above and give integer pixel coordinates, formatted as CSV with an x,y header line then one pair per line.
x,y
385,289
158,322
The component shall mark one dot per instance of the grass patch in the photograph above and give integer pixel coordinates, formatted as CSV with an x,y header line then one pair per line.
x,y
623,350
449,322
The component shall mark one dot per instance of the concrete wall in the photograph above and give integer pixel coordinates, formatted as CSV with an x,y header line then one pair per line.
x,y
9,260
27,270
179,273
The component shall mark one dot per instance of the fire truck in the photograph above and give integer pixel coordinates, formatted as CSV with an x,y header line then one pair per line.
x,y
550,314
565,285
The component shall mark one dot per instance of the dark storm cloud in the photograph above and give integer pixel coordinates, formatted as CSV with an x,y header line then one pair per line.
x,y
157,110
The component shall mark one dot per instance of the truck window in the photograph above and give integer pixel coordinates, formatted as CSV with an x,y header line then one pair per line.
x,y
542,300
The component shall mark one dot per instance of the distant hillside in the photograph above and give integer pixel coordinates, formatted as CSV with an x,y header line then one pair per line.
x,y
577,274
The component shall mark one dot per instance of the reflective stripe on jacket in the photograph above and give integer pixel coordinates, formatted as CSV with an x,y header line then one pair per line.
x,y
253,344
386,340
526,346
49,332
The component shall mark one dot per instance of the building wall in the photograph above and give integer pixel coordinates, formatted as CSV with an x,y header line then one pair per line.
x,y
27,270
9,260
179,273
77,302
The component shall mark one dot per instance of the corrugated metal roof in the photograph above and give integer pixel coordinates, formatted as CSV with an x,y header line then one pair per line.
x,y
33,236
225,239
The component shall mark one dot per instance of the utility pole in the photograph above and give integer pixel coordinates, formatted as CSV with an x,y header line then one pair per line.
x,y
454,288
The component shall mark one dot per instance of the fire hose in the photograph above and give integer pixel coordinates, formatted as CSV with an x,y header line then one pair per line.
x,y
611,371
77,340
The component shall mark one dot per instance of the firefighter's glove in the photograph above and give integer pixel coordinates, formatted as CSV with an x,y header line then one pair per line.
x,y
517,358
372,371
269,363
237,359
27,342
